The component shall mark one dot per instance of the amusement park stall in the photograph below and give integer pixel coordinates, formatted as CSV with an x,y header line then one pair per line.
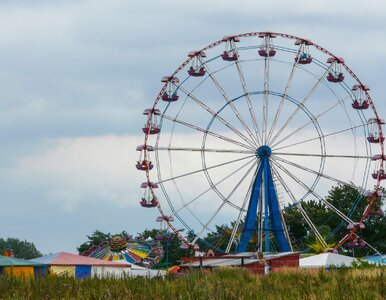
x,y
248,260
326,260
21,268
72,265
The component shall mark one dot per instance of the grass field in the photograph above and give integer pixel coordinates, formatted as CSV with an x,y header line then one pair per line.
x,y
221,284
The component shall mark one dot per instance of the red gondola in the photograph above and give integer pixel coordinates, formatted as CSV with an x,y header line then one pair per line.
x,y
148,200
335,78
361,101
230,53
265,53
196,69
152,126
227,57
144,165
363,105
375,138
356,244
151,129
170,98
374,135
170,94
304,59
266,49
336,75
379,174
152,111
196,73
148,204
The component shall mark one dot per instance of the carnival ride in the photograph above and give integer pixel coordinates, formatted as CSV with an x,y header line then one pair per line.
x,y
251,124
146,253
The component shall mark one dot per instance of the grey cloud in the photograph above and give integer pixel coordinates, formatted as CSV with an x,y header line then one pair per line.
x,y
89,68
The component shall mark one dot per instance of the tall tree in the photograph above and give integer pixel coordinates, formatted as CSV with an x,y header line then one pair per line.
x,y
350,202
19,249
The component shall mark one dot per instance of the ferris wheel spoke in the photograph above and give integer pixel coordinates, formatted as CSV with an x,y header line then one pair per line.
x,y
204,169
312,191
230,102
299,206
305,99
211,188
224,138
313,120
321,136
285,94
266,97
226,201
331,178
205,150
249,103
323,155
242,210
217,116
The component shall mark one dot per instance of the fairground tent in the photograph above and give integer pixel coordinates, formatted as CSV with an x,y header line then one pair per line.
x,y
72,265
144,272
326,260
20,267
378,259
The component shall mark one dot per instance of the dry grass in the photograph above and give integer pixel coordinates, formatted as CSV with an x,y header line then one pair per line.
x,y
227,283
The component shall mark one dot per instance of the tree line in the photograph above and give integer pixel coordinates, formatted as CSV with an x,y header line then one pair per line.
x,y
345,198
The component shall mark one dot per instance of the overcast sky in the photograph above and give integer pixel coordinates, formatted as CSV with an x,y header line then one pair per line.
x,y
76,75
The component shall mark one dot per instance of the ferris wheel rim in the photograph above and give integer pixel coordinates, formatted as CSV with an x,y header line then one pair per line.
x,y
352,232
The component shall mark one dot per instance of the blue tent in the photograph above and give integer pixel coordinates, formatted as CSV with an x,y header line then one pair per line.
x,y
380,259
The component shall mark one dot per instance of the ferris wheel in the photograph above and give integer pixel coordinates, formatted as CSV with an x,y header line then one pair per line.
x,y
252,124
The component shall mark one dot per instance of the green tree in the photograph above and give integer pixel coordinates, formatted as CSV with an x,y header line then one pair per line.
x,y
350,202
171,246
20,249
347,199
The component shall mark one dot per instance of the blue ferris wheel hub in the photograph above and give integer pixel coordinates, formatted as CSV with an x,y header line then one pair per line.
x,y
264,151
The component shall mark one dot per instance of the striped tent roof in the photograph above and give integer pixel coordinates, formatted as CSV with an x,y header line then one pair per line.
x,y
69,259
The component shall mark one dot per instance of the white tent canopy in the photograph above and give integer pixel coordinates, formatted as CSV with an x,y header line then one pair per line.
x,y
136,270
325,260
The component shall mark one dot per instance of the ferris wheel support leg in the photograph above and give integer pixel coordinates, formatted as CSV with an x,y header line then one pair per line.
x,y
250,219
272,217
275,215
266,206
